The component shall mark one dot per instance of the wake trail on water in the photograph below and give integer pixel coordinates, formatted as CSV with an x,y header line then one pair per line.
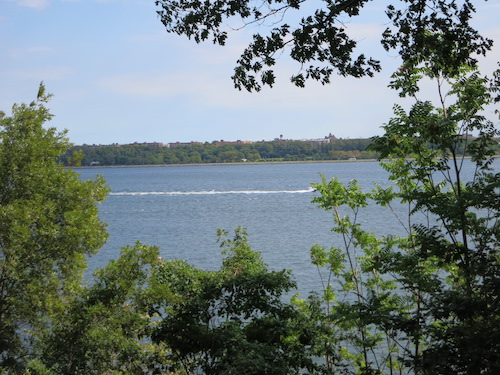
x,y
212,192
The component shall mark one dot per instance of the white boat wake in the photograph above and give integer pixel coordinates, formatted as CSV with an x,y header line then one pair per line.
x,y
212,192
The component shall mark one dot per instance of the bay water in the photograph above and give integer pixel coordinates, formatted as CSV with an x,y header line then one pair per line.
x,y
180,208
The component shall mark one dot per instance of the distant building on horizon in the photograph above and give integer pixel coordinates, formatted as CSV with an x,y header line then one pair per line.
x,y
331,137
314,142
178,144
152,144
238,142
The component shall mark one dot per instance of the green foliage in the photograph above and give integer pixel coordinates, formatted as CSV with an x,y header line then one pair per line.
x,y
318,38
462,240
48,225
233,320
142,314
423,301
105,328
340,149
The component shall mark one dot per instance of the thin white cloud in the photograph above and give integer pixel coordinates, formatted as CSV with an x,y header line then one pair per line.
x,y
141,84
206,91
24,52
42,4
39,49
33,4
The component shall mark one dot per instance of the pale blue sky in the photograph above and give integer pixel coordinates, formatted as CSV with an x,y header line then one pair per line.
x,y
117,76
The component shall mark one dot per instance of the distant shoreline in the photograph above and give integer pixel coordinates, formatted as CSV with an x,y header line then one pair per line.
x,y
232,163
240,163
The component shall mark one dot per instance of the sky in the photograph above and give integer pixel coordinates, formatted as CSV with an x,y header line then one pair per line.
x,y
118,77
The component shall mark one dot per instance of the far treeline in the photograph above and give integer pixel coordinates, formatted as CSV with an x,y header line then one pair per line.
x,y
194,153
282,150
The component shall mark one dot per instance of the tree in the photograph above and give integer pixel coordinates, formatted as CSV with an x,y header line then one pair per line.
x,y
48,225
233,320
106,328
144,315
424,302
320,42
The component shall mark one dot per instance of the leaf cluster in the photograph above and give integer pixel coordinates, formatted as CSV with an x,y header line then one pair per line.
x,y
233,320
423,300
435,31
48,224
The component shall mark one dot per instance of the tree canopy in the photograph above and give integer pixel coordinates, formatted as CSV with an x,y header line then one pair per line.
x,y
422,299
48,224
317,35
286,150
146,315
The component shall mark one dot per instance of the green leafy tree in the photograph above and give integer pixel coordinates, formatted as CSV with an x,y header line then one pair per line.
x,y
144,315
423,300
106,327
234,320
229,156
317,37
48,225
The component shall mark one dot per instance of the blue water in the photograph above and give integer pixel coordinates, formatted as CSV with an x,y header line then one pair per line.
x,y
180,208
